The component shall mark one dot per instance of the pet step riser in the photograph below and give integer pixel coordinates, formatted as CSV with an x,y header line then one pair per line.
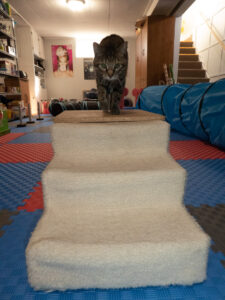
x,y
93,140
131,274
135,190
114,216
140,248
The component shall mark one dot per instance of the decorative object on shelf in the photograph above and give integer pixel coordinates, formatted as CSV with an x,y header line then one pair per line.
x,y
89,71
23,74
11,50
62,60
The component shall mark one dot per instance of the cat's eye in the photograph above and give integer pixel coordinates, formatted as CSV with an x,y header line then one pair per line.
x,y
117,66
103,66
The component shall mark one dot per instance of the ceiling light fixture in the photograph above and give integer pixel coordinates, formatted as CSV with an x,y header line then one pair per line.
x,y
77,5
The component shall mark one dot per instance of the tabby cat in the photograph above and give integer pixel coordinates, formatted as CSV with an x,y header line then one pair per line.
x,y
110,62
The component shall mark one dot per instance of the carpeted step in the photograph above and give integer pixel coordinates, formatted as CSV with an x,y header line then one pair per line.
x,y
187,50
94,144
191,73
188,57
186,44
190,65
141,182
191,80
97,248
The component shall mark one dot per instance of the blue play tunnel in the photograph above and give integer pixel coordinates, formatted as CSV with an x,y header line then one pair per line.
x,y
197,110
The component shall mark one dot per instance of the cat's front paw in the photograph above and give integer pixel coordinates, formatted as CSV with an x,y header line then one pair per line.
x,y
104,106
115,110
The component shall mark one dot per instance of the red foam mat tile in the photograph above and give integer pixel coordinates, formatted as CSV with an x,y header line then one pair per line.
x,y
35,201
15,153
9,137
184,150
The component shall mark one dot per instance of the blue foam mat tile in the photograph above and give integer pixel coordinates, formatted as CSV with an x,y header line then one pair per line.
x,y
33,137
17,181
205,181
177,136
14,283
29,127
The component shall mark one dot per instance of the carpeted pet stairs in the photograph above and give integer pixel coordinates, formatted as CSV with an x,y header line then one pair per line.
x,y
113,214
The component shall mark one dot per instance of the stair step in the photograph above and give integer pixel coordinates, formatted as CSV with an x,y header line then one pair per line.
x,y
191,80
186,44
151,173
188,57
191,73
190,65
187,50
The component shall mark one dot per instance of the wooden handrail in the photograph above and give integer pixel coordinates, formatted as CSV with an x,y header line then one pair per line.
x,y
212,30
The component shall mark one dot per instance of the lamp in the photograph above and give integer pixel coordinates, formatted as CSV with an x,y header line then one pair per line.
x,y
76,4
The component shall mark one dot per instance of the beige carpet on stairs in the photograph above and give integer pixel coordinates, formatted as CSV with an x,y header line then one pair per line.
x,y
114,214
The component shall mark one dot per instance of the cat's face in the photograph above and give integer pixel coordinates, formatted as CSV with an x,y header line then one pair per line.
x,y
110,65
110,69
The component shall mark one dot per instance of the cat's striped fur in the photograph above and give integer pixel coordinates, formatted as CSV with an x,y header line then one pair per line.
x,y
110,62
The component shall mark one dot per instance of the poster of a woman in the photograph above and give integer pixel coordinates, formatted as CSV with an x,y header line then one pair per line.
x,y
62,60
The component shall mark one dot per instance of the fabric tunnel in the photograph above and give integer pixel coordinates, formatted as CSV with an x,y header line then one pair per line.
x,y
197,110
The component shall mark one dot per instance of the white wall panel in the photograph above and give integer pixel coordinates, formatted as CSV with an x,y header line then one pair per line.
x,y
202,37
214,60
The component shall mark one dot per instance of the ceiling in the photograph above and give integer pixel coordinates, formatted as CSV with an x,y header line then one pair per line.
x,y
53,18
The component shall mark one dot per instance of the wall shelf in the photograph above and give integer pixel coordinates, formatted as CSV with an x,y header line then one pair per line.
x,y
10,94
7,54
2,32
7,74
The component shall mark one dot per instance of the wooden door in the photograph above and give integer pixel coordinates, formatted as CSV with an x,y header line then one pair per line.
x,y
138,60
141,54
160,46
144,54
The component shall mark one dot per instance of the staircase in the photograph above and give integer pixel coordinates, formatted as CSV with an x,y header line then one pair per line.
x,y
114,214
190,68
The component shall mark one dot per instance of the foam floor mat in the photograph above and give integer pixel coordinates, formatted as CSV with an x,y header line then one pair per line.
x,y
25,153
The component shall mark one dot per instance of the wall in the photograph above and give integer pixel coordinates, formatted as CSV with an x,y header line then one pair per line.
x,y
72,88
176,48
130,81
207,46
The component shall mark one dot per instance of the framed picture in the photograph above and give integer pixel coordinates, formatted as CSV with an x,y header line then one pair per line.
x,y
62,60
89,72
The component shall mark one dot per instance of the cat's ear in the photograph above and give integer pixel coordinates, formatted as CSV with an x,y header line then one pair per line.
x,y
122,48
97,48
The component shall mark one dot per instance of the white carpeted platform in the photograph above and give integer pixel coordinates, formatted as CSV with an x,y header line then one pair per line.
x,y
113,211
